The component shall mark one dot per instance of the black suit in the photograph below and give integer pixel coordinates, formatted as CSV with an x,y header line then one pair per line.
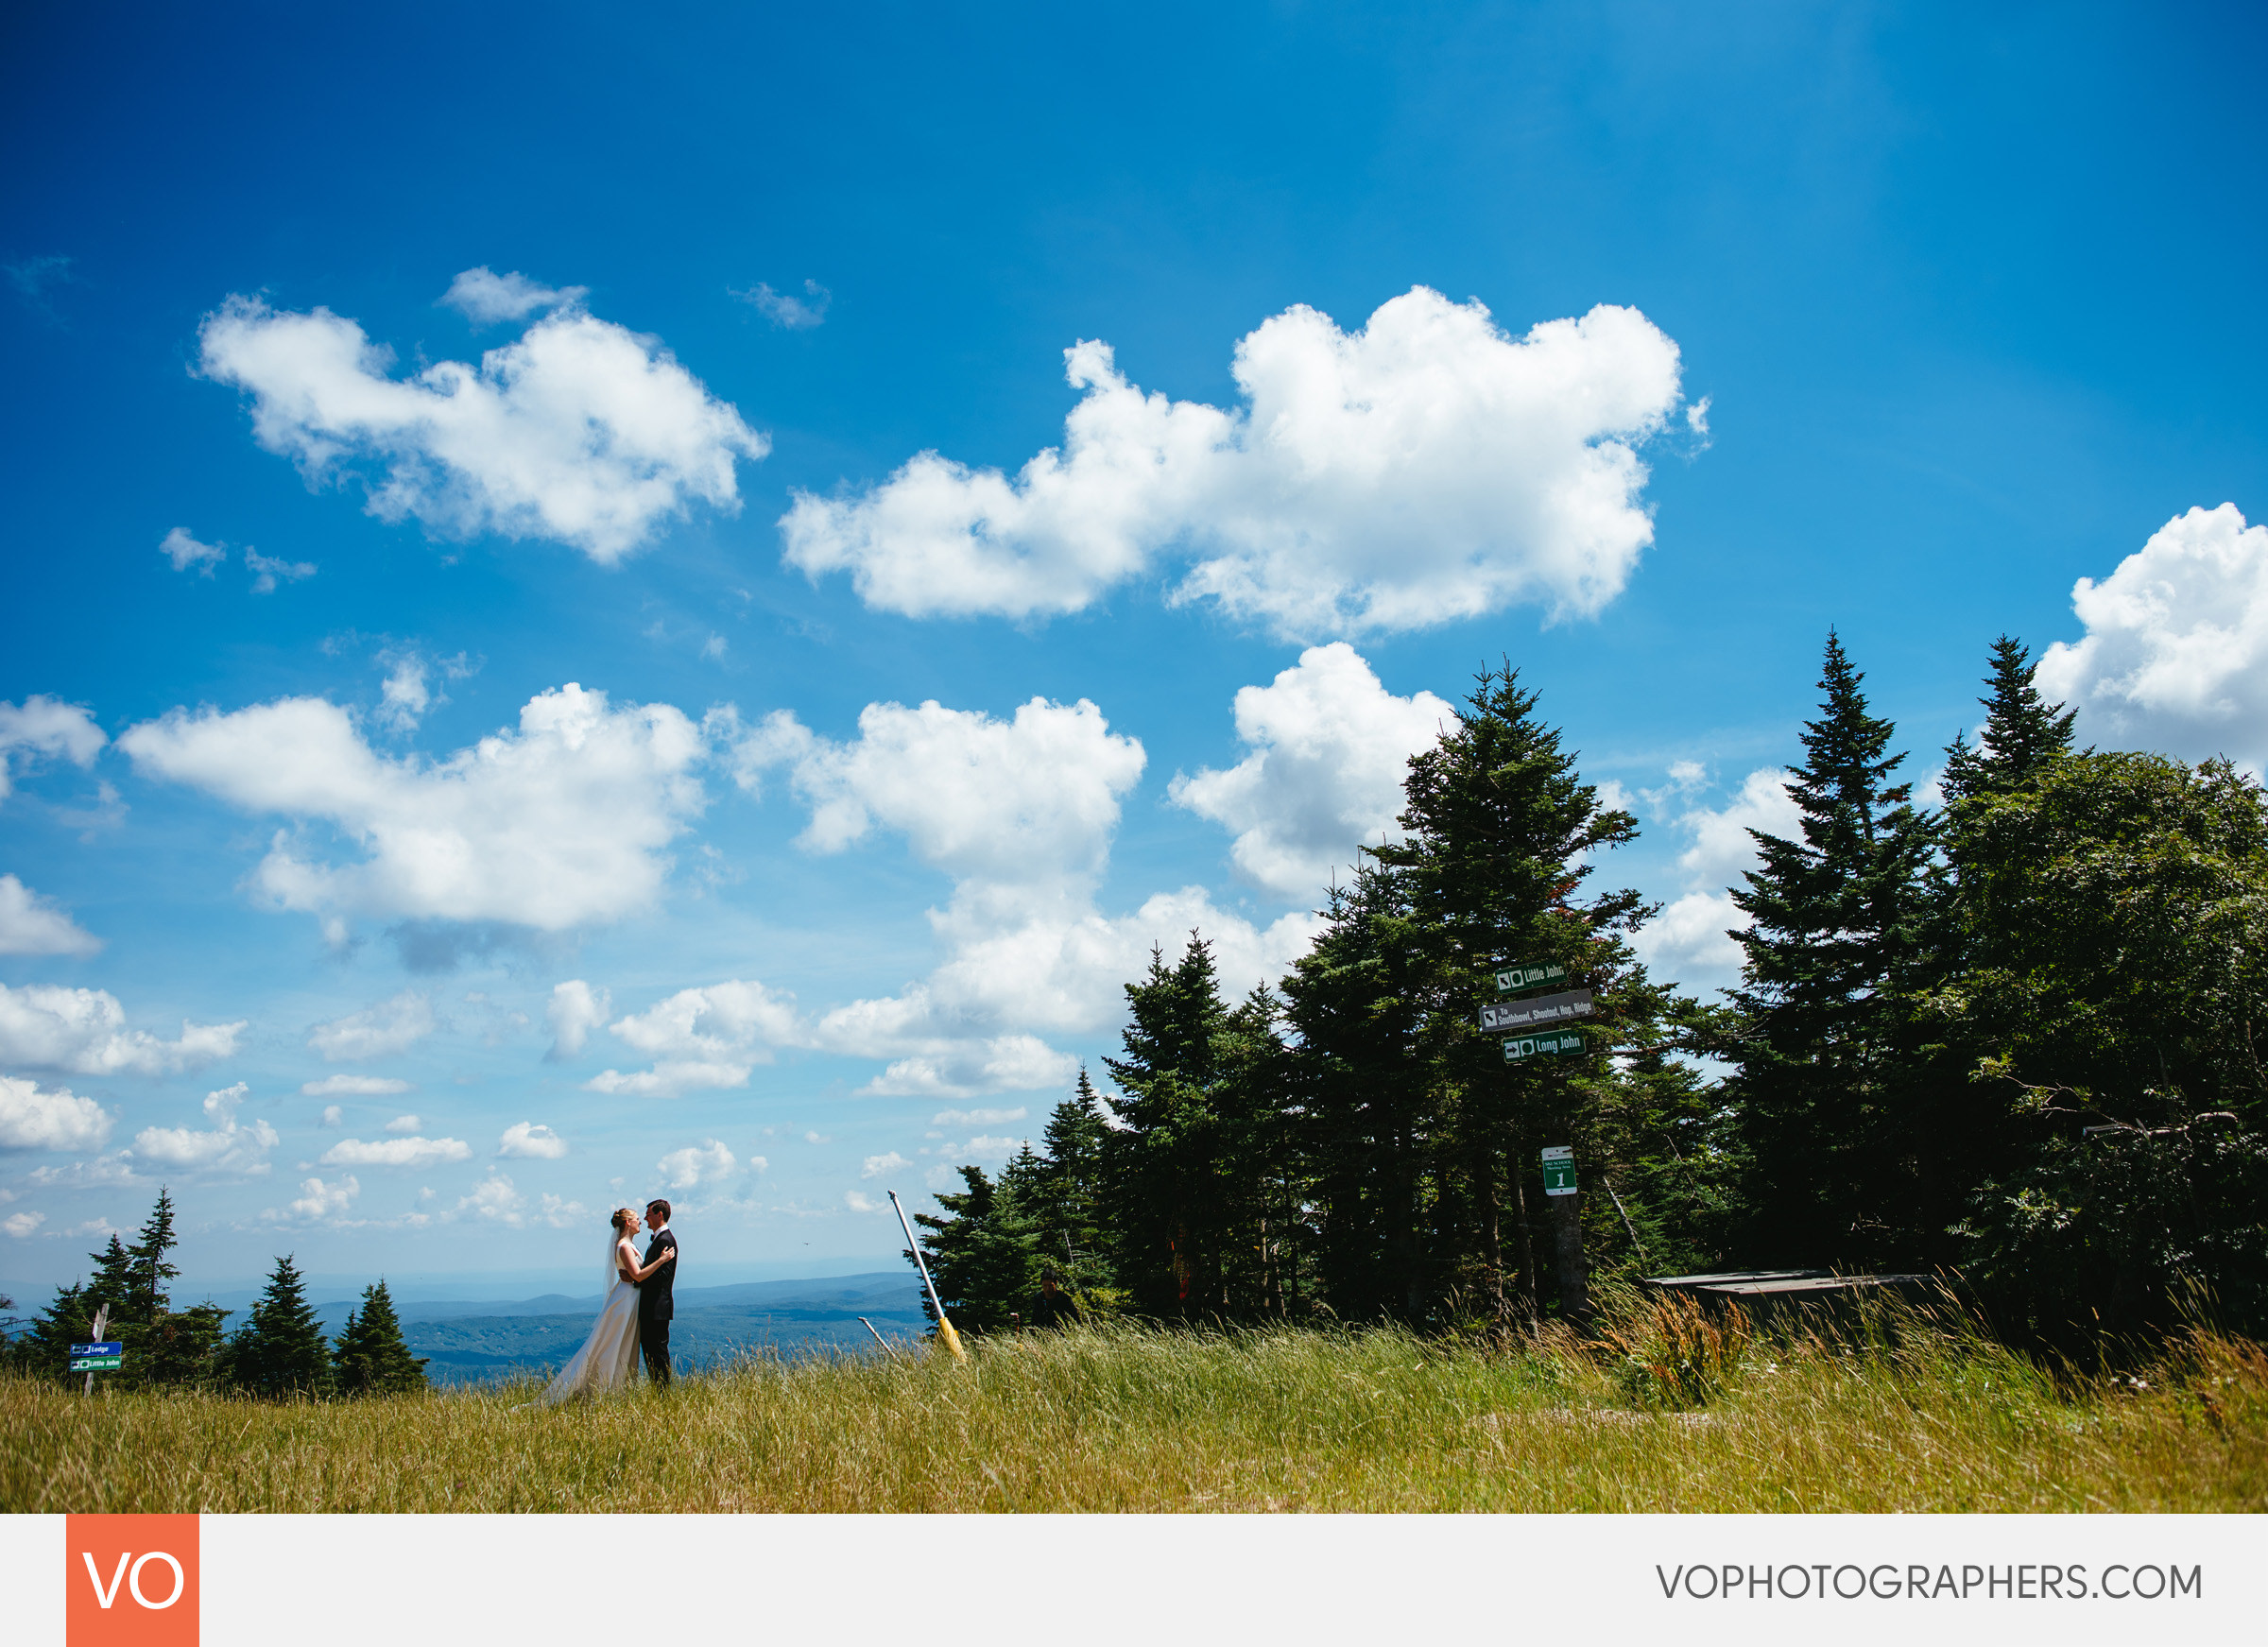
x,y
656,1305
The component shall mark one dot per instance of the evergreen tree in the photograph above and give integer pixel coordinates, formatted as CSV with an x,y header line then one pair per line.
x,y
2023,732
983,1256
1161,1188
1064,1198
114,1282
44,1350
1837,947
372,1356
181,1348
146,1298
281,1349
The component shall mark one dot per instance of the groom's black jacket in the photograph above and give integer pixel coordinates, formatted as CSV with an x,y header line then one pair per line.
x,y
654,1300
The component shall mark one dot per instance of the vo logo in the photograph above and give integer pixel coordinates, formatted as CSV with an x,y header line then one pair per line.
x,y
131,1581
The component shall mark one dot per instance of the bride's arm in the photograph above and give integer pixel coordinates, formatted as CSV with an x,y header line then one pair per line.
x,y
639,1274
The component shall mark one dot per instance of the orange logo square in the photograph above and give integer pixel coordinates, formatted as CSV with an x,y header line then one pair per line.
x,y
131,1581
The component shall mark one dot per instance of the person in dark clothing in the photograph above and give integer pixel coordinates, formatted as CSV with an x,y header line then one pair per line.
x,y
655,1302
1055,1308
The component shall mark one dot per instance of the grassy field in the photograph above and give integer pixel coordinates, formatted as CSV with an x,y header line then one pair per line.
x,y
1666,1414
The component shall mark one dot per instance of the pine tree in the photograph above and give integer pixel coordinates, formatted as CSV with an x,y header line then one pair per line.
x,y
45,1350
982,1255
146,1298
1064,1199
2023,732
1835,952
280,1350
1161,1188
372,1357
114,1282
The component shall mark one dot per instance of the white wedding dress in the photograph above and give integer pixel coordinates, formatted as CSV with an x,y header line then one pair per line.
x,y
608,1357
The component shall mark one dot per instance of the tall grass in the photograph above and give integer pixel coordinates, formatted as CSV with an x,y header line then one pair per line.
x,y
1668,1410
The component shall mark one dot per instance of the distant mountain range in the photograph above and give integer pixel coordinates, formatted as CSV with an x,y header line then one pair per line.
x,y
468,1340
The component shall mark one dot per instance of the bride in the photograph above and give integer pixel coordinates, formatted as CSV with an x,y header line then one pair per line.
x,y
610,1356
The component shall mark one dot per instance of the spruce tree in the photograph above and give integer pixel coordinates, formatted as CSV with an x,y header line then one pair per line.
x,y
2021,734
146,1298
1837,948
982,1255
372,1357
1063,1201
45,1350
280,1350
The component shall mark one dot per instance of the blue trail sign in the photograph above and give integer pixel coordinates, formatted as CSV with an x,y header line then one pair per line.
x,y
93,1358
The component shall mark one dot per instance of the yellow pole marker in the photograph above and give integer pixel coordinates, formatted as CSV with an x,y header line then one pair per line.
x,y
953,1339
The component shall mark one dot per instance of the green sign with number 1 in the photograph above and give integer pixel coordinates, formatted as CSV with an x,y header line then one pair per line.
x,y
1559,1171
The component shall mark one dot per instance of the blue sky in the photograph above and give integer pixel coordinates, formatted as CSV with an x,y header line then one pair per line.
x,y
587,360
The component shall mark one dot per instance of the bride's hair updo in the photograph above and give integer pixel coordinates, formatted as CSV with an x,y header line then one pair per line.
x,y
624,1217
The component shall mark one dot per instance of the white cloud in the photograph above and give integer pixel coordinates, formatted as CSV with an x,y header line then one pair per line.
x,y
185,552
703,1039
352,1085
405,1124
560,823
527,1138
396,1152
977,1117
1690,940
45,727
485,297
23,1225
33,1118
226,1147
317,1201
780,309
708,1163
858,1201
333,1117
33,925
44,1026
267,569
582,432
575,1010
1427,467
2175,654
1330,748
375,1032
876,1166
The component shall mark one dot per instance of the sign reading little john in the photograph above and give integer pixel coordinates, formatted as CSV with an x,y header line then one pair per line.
x,y
1559,1170
1528,975
92,1358
1506,1016
1529,1046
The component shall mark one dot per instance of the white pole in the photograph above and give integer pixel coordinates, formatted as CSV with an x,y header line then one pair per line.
x,y
102,1320
953,1339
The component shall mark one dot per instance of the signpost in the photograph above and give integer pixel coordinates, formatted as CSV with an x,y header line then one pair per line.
x,y
101,1356
1567,1229
1536,1011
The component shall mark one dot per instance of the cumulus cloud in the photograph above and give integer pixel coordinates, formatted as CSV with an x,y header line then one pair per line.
x,y
33,925
706,1162
876,1166
2175,654
1330,748
375,1032
333,1117
23,1226
317,1202
352,1085
560,823
575,1010
405,1124
1427,467
44,1026
485,297
706,1038
32,1117
526,1138
227,1146
396,1152
185,552
496,1200
582,432
1690,939
782,309
977,1117
45,727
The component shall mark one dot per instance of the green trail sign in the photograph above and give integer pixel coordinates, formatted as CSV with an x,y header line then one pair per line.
x,y
1559,1171
1530,1046
1528,975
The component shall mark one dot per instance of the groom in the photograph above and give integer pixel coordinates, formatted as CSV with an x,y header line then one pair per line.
x,y
654,1301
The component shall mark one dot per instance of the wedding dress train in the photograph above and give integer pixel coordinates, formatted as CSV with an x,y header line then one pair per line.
x,y
608,1357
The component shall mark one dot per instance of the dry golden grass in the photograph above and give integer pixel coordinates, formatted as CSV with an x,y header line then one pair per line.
x,y
1668,1413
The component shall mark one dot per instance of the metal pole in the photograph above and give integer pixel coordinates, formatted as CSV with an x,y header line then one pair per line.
x,y
953,1339
878,1337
